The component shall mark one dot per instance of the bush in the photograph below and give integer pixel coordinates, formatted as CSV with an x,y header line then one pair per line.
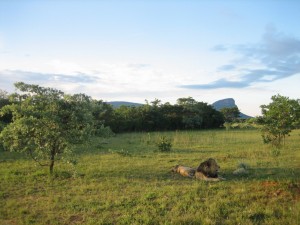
x,y
164,144
105,132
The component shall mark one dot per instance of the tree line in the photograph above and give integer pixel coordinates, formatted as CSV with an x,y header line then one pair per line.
x,y
155,116
187,113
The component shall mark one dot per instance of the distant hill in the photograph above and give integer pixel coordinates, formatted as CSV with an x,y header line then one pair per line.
x,y
228,103
117,104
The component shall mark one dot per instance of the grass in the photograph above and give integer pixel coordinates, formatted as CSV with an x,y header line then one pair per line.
x,y
124,180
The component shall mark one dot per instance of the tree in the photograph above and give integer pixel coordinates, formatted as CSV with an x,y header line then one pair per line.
x,y
230,114
4,100
278,119
186,101
7,118
46,122
187,114
198,115
102,114
172,116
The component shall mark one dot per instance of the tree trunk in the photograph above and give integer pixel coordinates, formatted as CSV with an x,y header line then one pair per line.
x,y
51,166
52,162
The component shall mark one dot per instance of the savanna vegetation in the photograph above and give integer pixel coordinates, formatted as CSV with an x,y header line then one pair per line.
x,y
155,116
125,178
278,119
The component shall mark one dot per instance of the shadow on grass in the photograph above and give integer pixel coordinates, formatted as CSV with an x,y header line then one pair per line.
x,y
265,174
193,151
128,174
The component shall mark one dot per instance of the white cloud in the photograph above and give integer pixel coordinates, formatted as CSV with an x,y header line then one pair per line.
x,y
130,80
64,67
132,83
275,57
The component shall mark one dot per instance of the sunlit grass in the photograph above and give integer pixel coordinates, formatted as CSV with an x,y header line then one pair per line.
x,y
125,180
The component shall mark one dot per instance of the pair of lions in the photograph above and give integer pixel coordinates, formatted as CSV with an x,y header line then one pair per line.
x,y
207,170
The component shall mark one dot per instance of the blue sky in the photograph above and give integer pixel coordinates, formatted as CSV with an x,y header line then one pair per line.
x,y
137,50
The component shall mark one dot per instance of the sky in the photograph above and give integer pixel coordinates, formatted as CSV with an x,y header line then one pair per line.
x,y
130,50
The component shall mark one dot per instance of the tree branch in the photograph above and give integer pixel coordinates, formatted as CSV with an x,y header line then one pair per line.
x,y
30,153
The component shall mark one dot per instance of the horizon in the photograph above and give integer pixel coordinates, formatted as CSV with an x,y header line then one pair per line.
x,y
137,50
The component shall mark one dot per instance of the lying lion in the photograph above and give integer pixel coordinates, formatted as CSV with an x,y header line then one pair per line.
x,y
184,171
207,170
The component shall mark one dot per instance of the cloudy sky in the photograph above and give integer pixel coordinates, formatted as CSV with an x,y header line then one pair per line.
x,y
136,50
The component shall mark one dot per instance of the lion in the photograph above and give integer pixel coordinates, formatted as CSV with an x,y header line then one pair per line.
x,y
184,171
208,170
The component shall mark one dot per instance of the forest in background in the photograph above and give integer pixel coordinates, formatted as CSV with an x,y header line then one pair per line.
x,y
186,114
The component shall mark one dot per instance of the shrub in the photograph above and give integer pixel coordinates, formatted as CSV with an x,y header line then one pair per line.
x,y
104,131
164,144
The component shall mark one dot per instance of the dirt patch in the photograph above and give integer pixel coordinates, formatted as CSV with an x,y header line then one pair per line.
x,y
9,222
268,184
275,189
76,219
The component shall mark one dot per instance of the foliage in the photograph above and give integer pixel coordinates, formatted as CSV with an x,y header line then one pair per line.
x,y
186,114
278,119
4,100
46,122
243,124
186,101
164,144
104,132
102,114
199,115
230,114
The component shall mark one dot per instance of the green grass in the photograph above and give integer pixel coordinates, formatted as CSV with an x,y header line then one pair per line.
x,y
124,180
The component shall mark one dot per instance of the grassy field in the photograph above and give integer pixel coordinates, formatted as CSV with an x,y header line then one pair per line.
x,y
124,180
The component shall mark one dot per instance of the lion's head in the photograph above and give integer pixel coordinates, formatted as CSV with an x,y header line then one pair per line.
x,y
209,168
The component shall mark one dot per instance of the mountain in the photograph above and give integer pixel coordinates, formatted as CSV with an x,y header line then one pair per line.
x,y
228,103
117,104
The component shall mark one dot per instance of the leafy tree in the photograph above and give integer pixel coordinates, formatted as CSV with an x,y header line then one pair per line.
x,y
124,119
46,122
3,96
230,114
156,103
211,117
278,119
102,114
172,116
7,118
187,114
4,100
186,101
199,115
